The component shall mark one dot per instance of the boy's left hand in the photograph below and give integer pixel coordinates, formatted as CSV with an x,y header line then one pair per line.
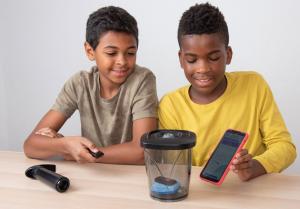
x,y
246,167
49,132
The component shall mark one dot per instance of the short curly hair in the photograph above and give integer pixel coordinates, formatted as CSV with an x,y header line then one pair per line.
x,y
106,19
203,19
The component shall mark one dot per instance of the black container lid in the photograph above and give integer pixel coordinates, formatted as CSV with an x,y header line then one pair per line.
x,y
168,139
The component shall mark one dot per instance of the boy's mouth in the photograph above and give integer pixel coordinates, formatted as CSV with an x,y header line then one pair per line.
x,y
202,81
120,73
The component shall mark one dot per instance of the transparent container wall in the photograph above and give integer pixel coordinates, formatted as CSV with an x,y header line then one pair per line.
x,y
168,173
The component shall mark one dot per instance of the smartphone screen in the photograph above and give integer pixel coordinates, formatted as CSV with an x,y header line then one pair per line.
x,y
218,165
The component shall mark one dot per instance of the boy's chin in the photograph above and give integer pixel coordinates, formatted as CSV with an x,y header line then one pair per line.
x,y
203,91
120,78
120,81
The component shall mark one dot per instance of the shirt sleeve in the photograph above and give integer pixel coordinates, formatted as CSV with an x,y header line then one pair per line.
x,y
145,102
280,151
166,116
66,101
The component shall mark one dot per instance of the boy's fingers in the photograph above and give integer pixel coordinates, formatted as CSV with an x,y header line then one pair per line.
x,y
242,159
43,129
86,156
68,157
242,166
45,134
241,153
90,145
48,132
58,135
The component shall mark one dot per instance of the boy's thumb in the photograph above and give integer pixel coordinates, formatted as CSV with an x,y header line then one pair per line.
x,y
90,145
93,148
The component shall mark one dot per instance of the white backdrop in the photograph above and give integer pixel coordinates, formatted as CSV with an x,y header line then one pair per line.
x,y
42,46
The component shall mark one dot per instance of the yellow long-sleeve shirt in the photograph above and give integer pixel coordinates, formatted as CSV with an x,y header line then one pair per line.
x,y
246,105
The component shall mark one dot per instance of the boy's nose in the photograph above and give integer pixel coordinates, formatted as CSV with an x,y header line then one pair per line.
x,y
202,66
121,60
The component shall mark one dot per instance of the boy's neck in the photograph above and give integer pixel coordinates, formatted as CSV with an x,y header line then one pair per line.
x,y
108,90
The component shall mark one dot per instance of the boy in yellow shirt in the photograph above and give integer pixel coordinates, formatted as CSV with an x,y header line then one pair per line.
x,y
217,100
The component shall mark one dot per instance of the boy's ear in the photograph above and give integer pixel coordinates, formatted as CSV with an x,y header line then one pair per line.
x,y
89,51
180,58
229,55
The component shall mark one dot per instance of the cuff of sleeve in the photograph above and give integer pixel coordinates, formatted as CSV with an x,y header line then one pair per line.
x,y
141,115
62,110
264,162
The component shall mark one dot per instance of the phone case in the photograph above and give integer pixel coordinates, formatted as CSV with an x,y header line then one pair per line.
x,y
227,168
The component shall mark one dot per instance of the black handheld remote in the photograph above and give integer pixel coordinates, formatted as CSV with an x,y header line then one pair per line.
x,y
96,154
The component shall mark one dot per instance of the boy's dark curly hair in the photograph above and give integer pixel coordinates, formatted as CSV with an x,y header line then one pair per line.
x,y
203,19
106,19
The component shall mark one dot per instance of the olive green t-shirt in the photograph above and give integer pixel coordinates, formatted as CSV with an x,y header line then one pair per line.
x,y
108,121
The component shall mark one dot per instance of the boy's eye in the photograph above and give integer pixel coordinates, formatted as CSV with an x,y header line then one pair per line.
x,y
191,61
214,58
111,53
190,58
131,53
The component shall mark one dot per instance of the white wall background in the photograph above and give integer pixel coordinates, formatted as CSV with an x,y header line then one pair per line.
x,y
42,46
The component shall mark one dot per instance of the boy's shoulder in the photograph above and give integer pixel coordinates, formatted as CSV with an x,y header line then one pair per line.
x,y
84,74
244,75
140,75
177,94
250,80
83,79
140,71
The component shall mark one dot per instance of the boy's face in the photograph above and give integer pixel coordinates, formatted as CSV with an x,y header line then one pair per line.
x,y
203,59
115,57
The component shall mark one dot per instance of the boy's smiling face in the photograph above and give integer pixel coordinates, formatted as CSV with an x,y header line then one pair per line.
x,y
203,59
115,57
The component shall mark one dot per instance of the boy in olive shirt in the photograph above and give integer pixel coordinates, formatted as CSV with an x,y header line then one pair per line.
x,y
116,99
217,100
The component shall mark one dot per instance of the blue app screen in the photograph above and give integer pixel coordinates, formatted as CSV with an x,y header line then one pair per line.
x,y
222,155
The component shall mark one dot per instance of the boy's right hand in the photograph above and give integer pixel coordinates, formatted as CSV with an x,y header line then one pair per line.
x,y
76,148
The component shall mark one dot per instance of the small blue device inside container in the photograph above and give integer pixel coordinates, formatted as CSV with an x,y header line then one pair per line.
x,y
165,186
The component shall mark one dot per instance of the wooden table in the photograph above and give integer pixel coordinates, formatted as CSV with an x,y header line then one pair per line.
x,y
105,186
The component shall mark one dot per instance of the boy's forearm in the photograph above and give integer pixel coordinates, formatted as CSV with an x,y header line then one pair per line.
x,y
43,147
126,153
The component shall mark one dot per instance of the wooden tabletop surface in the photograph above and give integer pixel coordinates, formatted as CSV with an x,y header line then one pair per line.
x,y
105,186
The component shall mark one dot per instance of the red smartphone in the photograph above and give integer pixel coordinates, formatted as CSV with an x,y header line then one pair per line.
x,y
218,164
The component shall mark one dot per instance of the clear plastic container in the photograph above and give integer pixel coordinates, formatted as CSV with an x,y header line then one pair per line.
x,y
168,163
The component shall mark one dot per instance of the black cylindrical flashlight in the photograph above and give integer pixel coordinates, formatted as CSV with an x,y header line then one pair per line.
x,y
46,174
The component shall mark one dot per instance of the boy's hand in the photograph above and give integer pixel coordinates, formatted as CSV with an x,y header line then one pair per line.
x,y
246,167
77,149
49,132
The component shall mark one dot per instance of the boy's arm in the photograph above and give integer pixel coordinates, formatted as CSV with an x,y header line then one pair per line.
x,y
280,150
129,152
43,147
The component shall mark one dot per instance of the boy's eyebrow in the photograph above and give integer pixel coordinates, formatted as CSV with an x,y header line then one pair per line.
x,y
114,47
189,54
212,52
215,51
